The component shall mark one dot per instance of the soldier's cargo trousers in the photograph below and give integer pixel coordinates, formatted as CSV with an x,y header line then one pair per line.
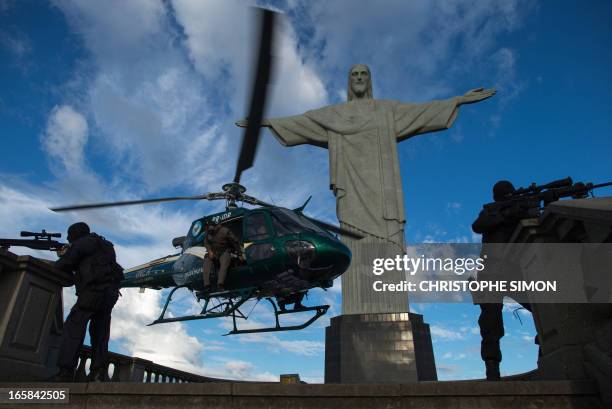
x,y
224,262
99,333
491,325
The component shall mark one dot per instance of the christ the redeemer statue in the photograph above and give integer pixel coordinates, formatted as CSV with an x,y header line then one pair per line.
x,y
361,136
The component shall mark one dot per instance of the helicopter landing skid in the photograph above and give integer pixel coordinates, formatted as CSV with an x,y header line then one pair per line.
x,y
320,310
228,307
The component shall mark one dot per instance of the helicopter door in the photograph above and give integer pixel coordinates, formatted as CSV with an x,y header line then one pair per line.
x,y
235,225
259,248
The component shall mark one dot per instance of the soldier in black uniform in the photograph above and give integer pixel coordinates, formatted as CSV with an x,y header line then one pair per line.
x,y
96,277
220,242
496,227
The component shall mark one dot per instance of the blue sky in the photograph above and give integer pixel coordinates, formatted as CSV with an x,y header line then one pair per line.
x,y
104,101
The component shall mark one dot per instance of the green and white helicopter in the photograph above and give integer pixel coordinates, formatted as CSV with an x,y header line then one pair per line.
x,y
286,253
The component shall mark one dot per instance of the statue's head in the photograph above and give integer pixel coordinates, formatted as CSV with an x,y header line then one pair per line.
x,y
359,82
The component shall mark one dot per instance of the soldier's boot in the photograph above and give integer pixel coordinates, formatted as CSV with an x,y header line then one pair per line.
x,y
492,368
297,306
64,375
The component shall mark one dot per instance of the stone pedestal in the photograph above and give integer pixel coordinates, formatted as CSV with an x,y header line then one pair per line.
x,y
31,317
378,348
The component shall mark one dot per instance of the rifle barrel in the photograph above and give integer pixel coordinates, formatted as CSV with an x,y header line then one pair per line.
x,y
601,185
36,244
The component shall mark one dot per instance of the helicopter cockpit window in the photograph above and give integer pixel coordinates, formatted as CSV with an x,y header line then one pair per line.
x,y
294,222
256,227
285,225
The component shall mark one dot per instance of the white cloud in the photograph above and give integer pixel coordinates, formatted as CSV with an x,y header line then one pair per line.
x,y
242,370
16,43
337,287
448,371
165,344
298,347
239,369
423,53
506,77
214,346
22,211
149,108
66,137
113,29
445,334
471,330
454,356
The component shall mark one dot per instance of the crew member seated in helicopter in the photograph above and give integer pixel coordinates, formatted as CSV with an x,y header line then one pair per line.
x,y
220,242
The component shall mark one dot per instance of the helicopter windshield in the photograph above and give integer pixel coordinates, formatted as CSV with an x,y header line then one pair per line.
x,y
287,222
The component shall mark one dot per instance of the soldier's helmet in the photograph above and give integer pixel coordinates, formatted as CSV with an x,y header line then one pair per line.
x,y
502,189
77,230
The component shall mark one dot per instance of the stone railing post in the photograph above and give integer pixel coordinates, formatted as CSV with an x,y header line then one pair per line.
x,y
132,370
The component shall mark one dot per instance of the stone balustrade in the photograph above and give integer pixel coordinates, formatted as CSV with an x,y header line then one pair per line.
x,y
123,368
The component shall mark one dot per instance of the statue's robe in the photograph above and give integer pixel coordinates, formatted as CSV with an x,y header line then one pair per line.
x,y
364,172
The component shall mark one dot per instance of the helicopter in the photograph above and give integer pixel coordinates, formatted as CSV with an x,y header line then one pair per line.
x,y
286,253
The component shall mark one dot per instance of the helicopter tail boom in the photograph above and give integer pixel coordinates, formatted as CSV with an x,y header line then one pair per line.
x,y
151,274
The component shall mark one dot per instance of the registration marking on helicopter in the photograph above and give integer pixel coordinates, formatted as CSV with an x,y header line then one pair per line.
x,y
221,217
182,278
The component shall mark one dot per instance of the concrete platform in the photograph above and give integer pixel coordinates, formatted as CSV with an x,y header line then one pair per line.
x,y
422,395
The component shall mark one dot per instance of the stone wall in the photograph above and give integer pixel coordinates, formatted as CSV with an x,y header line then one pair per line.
x,y
421,395
575,339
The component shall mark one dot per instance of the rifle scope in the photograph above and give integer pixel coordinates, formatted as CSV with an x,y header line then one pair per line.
x,y
533,188
41,234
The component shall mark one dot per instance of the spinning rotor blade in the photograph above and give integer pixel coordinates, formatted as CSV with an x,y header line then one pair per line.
x,y
209,196
254,201
250,138
335,229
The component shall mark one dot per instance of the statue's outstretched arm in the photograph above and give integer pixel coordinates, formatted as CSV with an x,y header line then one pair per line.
x,y
475,95
244,122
